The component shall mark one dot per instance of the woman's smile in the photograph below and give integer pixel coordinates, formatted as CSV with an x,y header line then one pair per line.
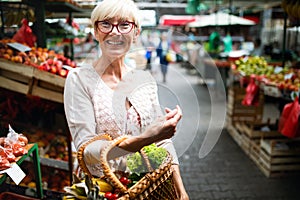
x,y
114,42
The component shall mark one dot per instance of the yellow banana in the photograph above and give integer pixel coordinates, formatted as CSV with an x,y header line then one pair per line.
x,y
104,186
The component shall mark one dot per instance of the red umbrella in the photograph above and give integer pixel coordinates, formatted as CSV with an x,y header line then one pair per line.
x,y
178,20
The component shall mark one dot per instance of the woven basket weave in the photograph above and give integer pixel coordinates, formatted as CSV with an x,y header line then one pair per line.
x,y
156,184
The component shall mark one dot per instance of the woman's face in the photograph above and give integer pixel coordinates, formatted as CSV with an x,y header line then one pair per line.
x,y
115,44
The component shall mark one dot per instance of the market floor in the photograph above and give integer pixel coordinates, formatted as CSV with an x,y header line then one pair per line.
x,y
226,172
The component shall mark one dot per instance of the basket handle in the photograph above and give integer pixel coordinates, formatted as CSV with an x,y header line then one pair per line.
x,y
146,160
104,164
80,152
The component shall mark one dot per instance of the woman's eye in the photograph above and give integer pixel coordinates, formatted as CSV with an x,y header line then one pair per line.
x,y
105,24
124,24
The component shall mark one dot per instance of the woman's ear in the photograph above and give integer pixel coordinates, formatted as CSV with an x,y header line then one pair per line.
x,y
136,34
95,33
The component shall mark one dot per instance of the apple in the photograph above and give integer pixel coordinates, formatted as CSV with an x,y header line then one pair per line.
x,y
46,66
50,61
58,64
53,69
63,72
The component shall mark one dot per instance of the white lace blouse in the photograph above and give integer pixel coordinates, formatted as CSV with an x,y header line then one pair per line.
x,y
93,108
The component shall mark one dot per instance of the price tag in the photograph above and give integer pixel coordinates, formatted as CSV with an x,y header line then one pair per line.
x,y
19,47
15,173
278,69
288,76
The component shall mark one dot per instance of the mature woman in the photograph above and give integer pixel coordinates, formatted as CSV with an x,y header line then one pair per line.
x,y
109,97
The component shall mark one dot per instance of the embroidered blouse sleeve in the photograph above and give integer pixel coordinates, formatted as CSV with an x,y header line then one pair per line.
x,y
79,109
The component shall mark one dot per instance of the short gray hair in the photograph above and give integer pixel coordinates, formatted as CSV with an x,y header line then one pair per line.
x,y
124,9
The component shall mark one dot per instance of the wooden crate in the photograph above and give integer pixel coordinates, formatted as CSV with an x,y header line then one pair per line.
x,y
244,141
31,81
15,76
239,112
48,86
259,130
278,157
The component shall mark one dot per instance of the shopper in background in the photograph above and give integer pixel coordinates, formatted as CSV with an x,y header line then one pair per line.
x,y
161,52
150,47
110,97
258,48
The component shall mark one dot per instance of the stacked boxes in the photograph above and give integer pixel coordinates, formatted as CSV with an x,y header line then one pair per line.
x,y
274,154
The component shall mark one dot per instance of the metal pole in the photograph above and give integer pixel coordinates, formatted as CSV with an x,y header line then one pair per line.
x,y
284,39
2,19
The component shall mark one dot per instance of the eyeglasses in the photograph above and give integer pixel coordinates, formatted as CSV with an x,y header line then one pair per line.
x,y
106,27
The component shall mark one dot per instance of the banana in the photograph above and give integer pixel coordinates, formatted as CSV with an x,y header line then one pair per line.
x,y
104,186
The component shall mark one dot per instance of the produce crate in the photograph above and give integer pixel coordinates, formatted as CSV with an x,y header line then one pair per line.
x,y
241,139
278,157
259,130
248,135
13,196
47,86
14,76
252,133
237,112
31,81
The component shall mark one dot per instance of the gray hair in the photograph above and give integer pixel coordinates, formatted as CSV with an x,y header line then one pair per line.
x,y
124,9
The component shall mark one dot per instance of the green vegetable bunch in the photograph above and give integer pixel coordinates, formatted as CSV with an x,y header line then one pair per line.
x,y
156,156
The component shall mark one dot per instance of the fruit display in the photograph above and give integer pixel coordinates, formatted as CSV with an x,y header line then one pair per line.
x,y
52,179
40,58
62,29
52,144
11,147
284,78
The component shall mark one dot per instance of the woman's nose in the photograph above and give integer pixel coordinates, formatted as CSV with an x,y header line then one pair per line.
x,y
115,30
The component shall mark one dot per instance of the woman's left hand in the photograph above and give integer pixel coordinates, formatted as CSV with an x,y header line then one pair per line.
x,y
183,196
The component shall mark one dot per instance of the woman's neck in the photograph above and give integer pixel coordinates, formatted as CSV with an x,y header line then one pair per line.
x,y
111,72
115,68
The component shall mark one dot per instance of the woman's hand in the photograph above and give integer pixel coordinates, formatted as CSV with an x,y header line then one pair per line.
x,y
164,127
183,197
180,190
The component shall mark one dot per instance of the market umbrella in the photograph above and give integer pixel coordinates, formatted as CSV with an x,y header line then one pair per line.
x,y
219,19
176,19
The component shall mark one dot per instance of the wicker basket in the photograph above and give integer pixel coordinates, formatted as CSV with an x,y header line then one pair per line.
x,y
156,184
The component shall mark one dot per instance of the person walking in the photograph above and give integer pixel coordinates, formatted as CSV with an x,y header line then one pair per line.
x,y
161,52
150,47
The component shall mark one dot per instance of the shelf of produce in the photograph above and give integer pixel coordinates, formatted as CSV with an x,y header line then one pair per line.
x,y
50,162
32,151
31,81
59,164
58,6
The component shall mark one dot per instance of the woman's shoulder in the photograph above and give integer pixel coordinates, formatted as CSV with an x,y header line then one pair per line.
x,y
82,74
141,76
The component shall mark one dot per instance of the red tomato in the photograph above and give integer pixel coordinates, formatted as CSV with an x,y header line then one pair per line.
x,y
114,196
124,180
108,195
